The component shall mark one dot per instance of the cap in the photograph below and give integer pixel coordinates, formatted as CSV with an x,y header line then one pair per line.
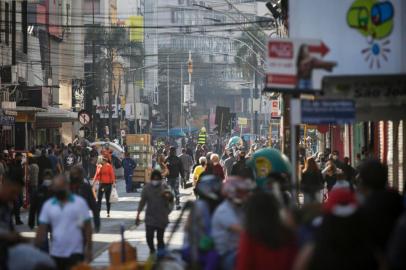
x,y
341,202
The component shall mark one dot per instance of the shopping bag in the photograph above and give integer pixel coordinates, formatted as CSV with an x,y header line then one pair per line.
x,y
114,195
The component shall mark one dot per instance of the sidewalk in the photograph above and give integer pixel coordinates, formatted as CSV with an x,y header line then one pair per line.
x,y
136,235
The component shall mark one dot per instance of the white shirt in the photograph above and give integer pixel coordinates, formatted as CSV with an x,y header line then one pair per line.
x,y
224,217
66,222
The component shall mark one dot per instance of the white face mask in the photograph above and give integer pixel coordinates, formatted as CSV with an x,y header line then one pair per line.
x,y
155,182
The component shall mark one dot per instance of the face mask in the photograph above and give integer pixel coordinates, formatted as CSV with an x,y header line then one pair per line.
x,y
47,182
237,201
61,194
155,183
335,157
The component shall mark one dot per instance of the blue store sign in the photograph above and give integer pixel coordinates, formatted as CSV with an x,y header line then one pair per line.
x,y
6,120
331,111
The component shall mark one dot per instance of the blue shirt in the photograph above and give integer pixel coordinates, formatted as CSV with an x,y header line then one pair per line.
x,y
129,165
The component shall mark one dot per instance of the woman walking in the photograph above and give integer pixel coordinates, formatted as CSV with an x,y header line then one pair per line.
x,y
312,181
106,179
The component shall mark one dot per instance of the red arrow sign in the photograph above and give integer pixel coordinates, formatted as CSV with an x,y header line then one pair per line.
x,y
321,49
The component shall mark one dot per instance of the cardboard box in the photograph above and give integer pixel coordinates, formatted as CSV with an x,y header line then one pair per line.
x,y
143,139
142,175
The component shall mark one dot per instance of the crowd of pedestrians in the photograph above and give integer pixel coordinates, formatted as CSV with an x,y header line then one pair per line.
x,y
245,216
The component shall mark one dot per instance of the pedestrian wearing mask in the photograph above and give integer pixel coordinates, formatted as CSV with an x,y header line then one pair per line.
x,y
228,218
158,198
175,169
106,179
67,216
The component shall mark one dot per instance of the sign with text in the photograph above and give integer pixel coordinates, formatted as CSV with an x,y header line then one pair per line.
x,y
332,111
242,121
293,62
275,110
365,37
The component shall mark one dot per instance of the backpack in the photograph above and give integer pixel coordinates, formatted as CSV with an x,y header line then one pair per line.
x,y
116,162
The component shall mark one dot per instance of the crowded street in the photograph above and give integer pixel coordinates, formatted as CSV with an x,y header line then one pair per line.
x,y
202,135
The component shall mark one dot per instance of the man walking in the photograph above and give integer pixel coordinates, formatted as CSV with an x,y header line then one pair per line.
x,y
16,173
44,164
129,166
187,163
175,168
67,216
159,200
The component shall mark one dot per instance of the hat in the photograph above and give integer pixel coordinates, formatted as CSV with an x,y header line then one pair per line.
x,y
341,202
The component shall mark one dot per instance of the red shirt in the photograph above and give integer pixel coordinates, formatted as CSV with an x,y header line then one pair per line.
x,y
218,171
256,255
105,174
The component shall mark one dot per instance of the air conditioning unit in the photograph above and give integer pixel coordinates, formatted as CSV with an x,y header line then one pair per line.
x,y
9,75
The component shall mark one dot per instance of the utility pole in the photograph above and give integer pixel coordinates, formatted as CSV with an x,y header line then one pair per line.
x,y
181,96
167,85
189,102
110,95
252,105
93,76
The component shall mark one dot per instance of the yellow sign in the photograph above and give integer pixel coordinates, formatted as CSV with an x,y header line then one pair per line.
x,y
242,121
136,24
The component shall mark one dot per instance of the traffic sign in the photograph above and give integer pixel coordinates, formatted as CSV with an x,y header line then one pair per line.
x,y
84,117
327,111
122,133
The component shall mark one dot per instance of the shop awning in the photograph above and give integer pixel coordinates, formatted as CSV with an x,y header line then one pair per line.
x,y
27,109
57,114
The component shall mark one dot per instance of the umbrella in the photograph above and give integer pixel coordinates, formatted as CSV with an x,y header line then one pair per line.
x,y
117,149
235,141
176,132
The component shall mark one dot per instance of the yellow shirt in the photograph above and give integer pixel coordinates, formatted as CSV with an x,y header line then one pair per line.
x,y
196,173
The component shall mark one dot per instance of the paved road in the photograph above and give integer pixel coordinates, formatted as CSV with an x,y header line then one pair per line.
x,y
122,212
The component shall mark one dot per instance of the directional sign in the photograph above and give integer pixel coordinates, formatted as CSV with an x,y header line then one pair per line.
x,y
295,64
328,111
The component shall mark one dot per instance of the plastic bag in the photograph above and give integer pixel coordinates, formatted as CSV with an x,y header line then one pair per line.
x,y
114,195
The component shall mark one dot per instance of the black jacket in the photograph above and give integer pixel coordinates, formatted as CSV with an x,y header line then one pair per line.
x,y
86,192
311,181
174,166
37,201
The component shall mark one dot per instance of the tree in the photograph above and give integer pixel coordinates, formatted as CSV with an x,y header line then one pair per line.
x,y
247,55
111,43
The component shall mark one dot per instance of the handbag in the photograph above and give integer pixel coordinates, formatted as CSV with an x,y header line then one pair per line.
x,y
113,195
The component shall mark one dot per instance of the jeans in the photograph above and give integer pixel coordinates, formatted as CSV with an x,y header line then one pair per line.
x,y
174,184
150,232
128,182
106,189
68,262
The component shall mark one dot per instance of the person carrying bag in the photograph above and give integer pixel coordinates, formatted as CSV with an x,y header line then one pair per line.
x,y
107,181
